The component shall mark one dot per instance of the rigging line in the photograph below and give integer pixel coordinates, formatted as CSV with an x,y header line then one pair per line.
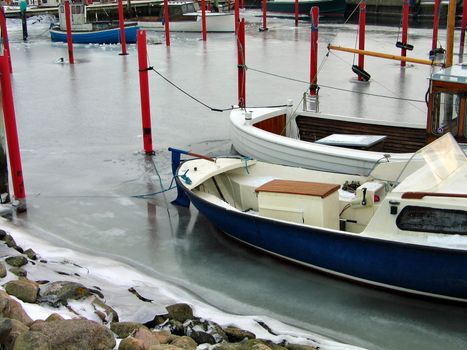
x,y
354,10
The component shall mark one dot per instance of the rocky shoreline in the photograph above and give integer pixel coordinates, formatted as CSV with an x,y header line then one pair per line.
x,y
79,316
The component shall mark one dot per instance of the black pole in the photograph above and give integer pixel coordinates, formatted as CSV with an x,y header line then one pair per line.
x,y
25,25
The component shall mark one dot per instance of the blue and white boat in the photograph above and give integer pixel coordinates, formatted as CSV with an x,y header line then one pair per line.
x,y
82,32
407,235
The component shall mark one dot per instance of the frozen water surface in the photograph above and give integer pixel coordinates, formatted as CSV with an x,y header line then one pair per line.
x,y
81,141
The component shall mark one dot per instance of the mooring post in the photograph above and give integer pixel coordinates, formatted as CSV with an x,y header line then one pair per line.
x,y
144,91
361,38
12,133
228,5
405,29
203,18
236,14
296,13
166,23
68,32
122,27
463,27
450,30
22,7
243,4
314,51
241,64
6,43
434,43
264,27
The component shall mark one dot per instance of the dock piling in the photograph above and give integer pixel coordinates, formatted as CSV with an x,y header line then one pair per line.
x,y
361,37
405,29
121,20
203,18
314,51
23,6
68,32
166,23
296,13
4,29
241,64
236,14
264,27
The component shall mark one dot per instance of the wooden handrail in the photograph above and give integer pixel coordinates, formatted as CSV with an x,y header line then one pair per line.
x,y
421,195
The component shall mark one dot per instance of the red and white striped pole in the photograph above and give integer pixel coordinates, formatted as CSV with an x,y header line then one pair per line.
x,y
236,14
166,22
241,64
314,51
6,43
144,91
463,27
203,18
405,29
296,13
361,37
68,32
12,133
122,27
264,28
434,43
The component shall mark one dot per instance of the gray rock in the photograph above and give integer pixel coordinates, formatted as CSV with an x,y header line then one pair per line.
x,y
211,328
32,341
16,261
76,335
202,337
255,344
2,234
227,346
300,347
10,308
10,330
186,343
110,313
58,293
180,312
18,271
235,334
164,347
24,290
31,254
131,343
2,270
9,241
124,329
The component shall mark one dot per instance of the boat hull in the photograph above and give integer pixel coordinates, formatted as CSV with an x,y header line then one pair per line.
x,y
215,23
425,270
327,8
107,36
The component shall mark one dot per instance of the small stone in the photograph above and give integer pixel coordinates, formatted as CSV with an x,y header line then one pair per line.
x,y
2,234
301,347
202,337
255,344
58,293
18,249
124,329
54,317
24,290
180,312
146,336
9,241
185,343
2,270
19,271
131,343
235,334
17,261
32,341
10,330
31,254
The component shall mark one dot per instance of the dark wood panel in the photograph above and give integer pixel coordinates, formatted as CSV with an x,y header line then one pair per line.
x,y
275,125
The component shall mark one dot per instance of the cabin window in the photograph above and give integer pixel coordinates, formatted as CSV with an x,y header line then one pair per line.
x,y
434,220
445,113
190,8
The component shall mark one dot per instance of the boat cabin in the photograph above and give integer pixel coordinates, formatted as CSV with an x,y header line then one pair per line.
x,y
78,16
447,104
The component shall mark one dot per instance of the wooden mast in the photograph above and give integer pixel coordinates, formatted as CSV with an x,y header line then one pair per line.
x,y
450,33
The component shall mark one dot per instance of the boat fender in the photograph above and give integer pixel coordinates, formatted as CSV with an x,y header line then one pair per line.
x,y
361,73
401,45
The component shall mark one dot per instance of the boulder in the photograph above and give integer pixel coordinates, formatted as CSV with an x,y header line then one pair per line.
x,y
32,341
17,260
31,254
131,343
163,336
54,317
255,344
164,347
110,314
227,346
2,234
146,336
124,329
2,270
180,312
19,271
9,241
9,331
186,343
235,334
24,290
194,328
291,346
58,293
76,334
10,308
201,337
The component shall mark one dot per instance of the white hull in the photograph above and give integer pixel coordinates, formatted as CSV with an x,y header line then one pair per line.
x,y
215,22
269,147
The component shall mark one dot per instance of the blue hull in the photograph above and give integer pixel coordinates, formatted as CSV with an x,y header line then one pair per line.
x,y
107,36
432,271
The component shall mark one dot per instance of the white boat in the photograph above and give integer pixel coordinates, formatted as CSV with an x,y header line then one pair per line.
x,y
351,145
185,16
409,236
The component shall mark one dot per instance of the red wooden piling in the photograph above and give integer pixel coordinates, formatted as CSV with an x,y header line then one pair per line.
x,y
405,29
228,5
434,44
6,43
361,37
296,13
12,133
241,64
314,51
68,32
236,14
166,22
144,91
463,27
203,18
122,27
243,4
264,16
